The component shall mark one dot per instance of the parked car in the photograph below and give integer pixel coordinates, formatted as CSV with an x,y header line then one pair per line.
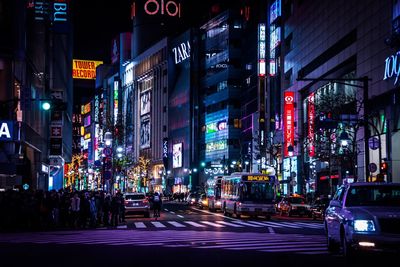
x,y
137,203
318,208
294,205
364,217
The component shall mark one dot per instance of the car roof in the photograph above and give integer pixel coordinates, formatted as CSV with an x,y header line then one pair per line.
x,y
373,184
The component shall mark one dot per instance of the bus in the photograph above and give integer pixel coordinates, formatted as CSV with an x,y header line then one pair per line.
x,y
213,192
250,194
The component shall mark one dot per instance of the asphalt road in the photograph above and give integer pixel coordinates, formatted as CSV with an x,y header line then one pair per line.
x,y
183,236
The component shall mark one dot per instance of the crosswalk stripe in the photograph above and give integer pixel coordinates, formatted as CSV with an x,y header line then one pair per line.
x,y
229,224
289,225
235,241
311,225
158,225
267,224
176,224
247,224
212,224
195,224
122,226
140,225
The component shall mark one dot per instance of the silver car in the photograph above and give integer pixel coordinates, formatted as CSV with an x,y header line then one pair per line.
x,y
364,217
137,203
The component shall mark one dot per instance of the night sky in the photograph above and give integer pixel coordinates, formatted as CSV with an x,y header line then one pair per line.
x,y
95,24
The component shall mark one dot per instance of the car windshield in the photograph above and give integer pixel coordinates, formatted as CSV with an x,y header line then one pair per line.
x,y
373,196
134,197
257,192
297,200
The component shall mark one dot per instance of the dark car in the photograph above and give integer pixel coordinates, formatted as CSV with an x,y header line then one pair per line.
x,y
193,198
318,208
364,217
137,203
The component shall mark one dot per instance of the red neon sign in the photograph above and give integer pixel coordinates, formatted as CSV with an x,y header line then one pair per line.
x,y
310,119
153,7
288,121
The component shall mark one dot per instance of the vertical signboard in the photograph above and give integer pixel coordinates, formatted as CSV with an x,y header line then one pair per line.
x,y
288,121
261,49
310,120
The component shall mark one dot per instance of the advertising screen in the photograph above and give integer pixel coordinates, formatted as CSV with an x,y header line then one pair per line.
x,y
145,132
145,100
177,155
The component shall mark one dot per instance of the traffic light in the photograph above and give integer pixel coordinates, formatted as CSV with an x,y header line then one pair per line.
x,y
384,167
45,105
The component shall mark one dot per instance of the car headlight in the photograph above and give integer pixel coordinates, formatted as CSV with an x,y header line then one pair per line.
x,y
364,225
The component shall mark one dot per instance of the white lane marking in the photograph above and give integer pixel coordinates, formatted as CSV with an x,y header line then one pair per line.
x,y
166,209
195,224
172,212
140,225
247,224
271,230
290,225
122,226
212,224
273,224
158,225
180,216
229,224
176,224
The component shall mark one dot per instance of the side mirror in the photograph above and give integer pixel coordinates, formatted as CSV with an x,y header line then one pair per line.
x,y
335,203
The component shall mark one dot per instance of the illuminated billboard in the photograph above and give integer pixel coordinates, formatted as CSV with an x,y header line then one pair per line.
x,y
310,119
145,100
145,132
288,121
84,69
177,155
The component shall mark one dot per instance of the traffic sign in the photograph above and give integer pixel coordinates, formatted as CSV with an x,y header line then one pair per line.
x,y
372,167
373,143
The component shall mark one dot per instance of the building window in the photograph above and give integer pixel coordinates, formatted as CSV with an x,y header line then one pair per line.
x,y
237,123
165,109
164,128
222,86
289,78
288,43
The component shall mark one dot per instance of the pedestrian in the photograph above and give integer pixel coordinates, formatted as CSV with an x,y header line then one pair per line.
x,y
75,208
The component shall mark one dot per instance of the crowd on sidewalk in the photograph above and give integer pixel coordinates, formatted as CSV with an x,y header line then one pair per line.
x,y
63,209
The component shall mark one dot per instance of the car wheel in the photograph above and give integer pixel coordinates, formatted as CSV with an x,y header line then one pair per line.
x,y
235,212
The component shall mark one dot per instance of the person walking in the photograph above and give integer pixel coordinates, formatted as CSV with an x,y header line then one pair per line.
x,y
157,202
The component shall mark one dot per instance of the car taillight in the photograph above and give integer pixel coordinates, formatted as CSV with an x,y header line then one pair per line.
x,y
145,201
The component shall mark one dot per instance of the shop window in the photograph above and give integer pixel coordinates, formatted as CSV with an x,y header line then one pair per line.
x,y
237,123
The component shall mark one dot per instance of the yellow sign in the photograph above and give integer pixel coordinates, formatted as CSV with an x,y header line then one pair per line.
x,y
257,178
84,69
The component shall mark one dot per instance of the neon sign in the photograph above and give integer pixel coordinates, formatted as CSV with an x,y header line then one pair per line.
x,y
288,121
310,119
261,49
181,52
275,11
392,67
170,8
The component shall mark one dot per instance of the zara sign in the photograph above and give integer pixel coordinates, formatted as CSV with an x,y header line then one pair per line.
x,y
392,67
6,130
